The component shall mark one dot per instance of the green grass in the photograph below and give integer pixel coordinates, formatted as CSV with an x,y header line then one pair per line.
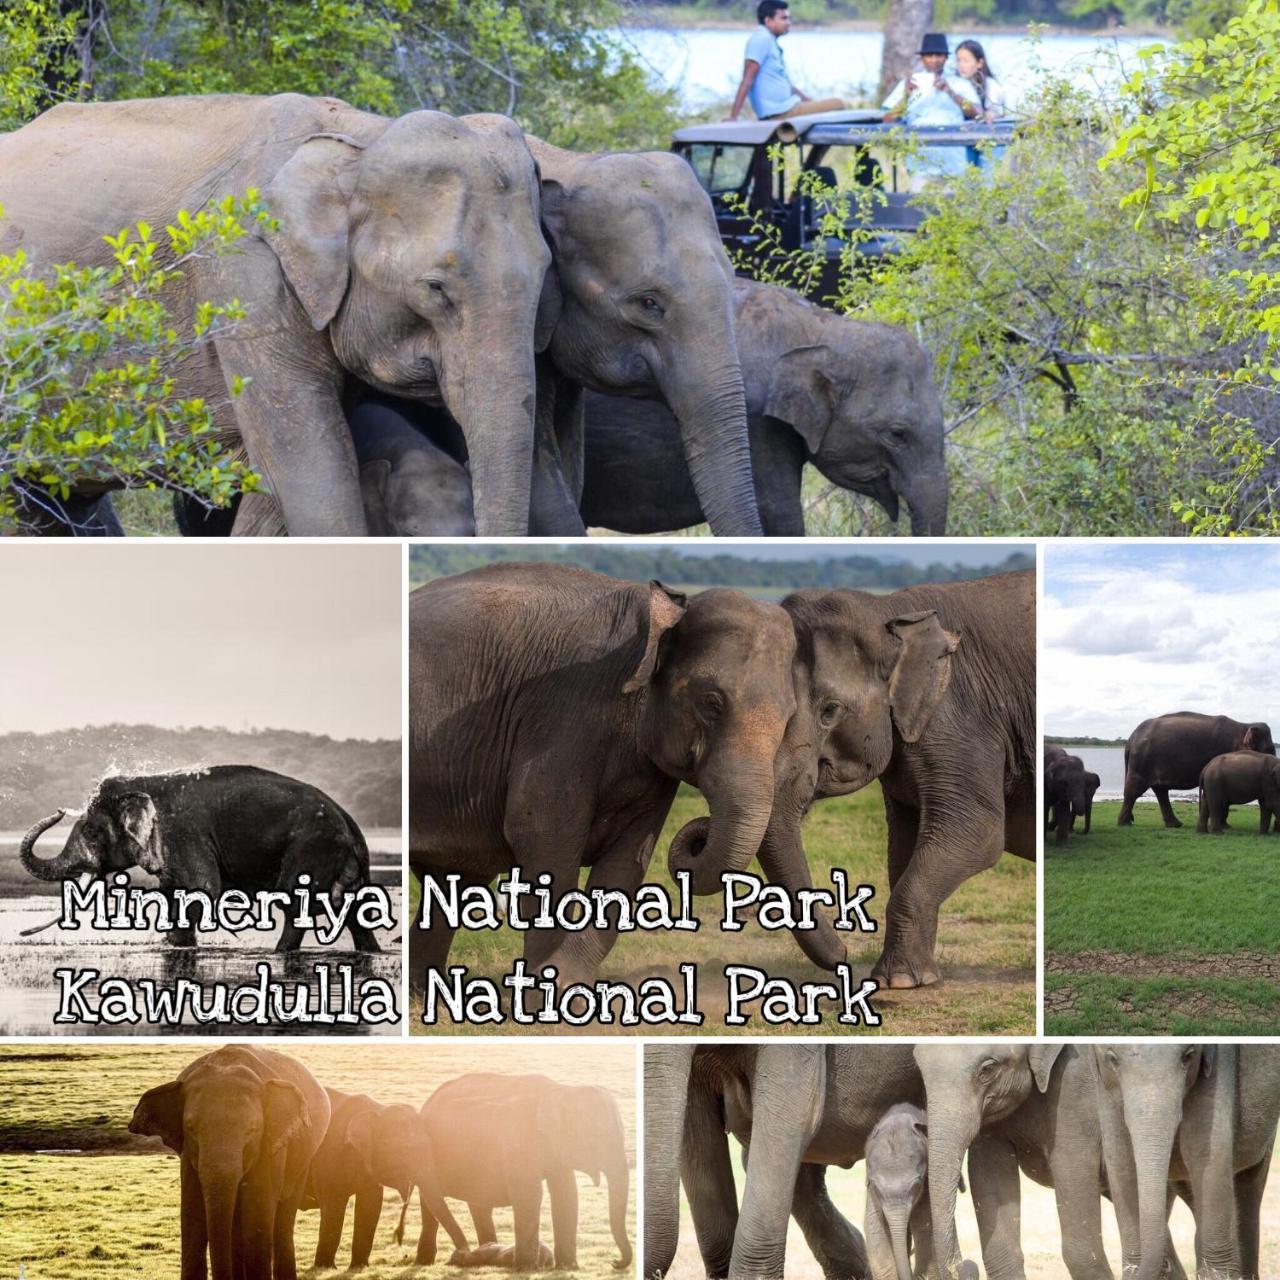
x,y
986,940
1151,930
83,1098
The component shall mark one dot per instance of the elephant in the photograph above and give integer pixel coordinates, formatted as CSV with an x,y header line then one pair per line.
x,y
247,1123
369,1146
1237,777
1069,789
855,400
501,1255
897,1210
931,690
800,1107
497,1138
1053,752
407,253
552,714
40,514
1202,1120
212,829
1169,752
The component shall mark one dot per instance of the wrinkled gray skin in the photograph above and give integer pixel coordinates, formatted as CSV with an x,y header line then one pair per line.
x,y
646,310
1202,1120
932,691
499,1138
855,400
536,681
1069,789
1239,777
800,1107
385,264
1169,752
897,1210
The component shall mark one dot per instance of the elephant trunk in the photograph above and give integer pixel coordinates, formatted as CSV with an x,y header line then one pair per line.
x,y
493,400
782,858
713,431
1153,1131
952,1128
432,1194
667,1069
927,497
898,1217
59,868
220,1188
739,792
1088,813
619,1186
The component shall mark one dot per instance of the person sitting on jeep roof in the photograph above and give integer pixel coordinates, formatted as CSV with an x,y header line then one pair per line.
x,y
764,74
927,97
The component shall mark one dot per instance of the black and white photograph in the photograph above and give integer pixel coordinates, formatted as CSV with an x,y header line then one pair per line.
x,y
200,799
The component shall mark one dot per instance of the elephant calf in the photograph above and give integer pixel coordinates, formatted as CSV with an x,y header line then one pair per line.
x,y
1069,789
1237,777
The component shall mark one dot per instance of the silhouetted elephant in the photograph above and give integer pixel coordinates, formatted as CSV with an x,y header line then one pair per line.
x,y
1068,794
1239,777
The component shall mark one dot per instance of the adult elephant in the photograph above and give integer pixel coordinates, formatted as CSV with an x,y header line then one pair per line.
x,y
247,1123
368,1146
853,399
1239,777
1202,1118
799,1108
1169,752
1069,789
552,714
931,690
499,1138
407,252
223,827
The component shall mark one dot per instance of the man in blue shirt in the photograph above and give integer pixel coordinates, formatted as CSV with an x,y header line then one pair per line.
x,y
764,74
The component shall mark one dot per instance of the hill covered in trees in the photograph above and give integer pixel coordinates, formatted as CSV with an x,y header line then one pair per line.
x,y
42,772
672,565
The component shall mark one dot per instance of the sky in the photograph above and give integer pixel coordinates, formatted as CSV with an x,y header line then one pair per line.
x,y
1139,630
241,634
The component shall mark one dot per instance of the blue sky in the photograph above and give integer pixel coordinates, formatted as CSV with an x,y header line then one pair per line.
x,y
1130,631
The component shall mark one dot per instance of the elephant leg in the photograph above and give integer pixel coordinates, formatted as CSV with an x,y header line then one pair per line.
x,y
553,510
922,1243
195,1231
787,1091
1250,1184
482,1221
368,1211
1264,819
1166,809
904,830
426,1251
1202,814
185,936
879,1247
333,1210
707,1173
525,1189
836,1244
429,948
997,1203
1078,1190
296,862
563,1188
1133,788
777,466
283,1257
1205,1141
948,852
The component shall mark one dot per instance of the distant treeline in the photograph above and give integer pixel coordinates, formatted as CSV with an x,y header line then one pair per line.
x,y
1080,740
43,772
672,566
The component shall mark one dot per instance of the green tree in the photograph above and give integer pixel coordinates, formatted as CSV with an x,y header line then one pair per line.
x,y
35,62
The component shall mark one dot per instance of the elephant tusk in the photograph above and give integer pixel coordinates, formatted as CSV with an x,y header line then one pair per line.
x,y
39,928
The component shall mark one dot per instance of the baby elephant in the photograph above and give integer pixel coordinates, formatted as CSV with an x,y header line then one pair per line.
x,y
898,1218
1237,778
499,1255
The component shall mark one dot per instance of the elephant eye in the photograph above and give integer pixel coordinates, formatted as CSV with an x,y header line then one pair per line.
x,y
712,703
987,1069
651,305
1187,1054
830,712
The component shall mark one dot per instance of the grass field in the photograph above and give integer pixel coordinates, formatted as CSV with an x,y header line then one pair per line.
x,y
1041,1240
986,940
79,1195
1151,931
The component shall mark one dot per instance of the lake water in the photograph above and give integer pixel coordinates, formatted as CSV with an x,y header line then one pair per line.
x,y
1108,764
704,66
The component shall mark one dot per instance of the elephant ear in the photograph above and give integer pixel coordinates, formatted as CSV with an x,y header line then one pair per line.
x,y
666,608
1042,1057
284,1113
310,199
922,671
1208,1059
802,393
159,1114
554,199
359,1137
137,813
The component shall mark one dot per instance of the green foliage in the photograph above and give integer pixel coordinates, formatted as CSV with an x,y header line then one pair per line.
x,y
87,393
34,41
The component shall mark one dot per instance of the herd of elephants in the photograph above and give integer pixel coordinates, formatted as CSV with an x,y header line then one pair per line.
x,y
1229,762
455,328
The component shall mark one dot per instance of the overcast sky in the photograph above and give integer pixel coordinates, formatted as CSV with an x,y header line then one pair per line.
x,y
1135,631
244,634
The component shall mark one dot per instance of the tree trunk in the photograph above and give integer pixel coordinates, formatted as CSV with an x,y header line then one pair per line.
x,y
907,22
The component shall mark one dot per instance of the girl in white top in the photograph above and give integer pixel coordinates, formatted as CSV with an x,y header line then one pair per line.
x,y
971,62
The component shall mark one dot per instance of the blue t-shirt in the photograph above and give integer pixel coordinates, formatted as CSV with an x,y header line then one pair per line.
x,y
771,92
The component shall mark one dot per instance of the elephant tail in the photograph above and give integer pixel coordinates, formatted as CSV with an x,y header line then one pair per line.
x,y
404,1213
